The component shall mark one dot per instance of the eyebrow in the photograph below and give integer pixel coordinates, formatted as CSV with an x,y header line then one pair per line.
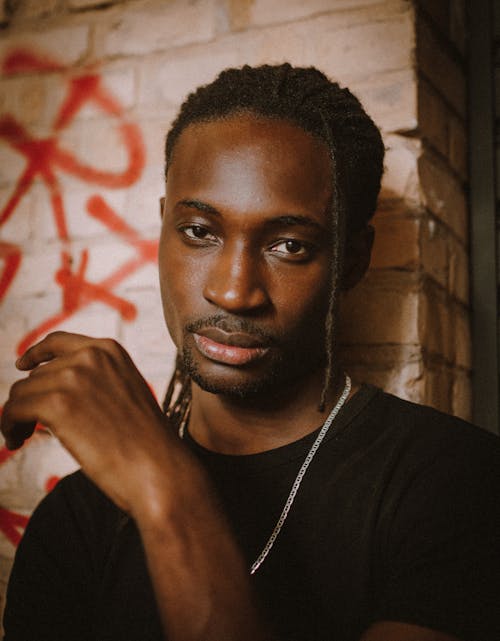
x,y
199,205
285,219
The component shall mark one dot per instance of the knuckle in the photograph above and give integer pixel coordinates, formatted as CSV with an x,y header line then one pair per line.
x,y
112,346
54,336
58,403
72,376
90,355
15,391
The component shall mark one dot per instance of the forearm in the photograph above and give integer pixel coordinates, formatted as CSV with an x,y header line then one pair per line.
x,y
200,580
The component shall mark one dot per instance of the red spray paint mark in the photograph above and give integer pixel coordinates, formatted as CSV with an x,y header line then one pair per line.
x,y
79,292
11,255
51,482
24,61
47,160
12,525
44,158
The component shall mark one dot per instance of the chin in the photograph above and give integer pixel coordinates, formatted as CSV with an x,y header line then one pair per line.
x,y
244,383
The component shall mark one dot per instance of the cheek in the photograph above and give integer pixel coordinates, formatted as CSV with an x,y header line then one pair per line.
x,y
301,300
180,283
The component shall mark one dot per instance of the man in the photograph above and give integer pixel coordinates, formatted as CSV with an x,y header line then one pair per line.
x,y
274,499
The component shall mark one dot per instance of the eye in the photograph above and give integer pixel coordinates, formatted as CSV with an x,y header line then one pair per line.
x,y
294,249
197,232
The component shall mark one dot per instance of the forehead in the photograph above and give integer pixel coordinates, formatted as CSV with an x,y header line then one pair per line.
x,y
245,158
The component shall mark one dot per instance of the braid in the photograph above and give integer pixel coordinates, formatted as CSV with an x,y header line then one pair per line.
x,y
177,401
307,98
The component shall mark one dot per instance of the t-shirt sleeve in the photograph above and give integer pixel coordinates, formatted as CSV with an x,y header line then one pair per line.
x,y
444,542
53,579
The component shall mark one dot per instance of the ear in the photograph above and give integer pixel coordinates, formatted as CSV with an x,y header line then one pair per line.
x,y
162,206
357,256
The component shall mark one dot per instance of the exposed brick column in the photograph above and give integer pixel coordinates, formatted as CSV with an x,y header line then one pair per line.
x,y
414,335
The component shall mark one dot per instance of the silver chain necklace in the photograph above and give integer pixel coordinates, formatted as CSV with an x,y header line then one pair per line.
x,y
298,479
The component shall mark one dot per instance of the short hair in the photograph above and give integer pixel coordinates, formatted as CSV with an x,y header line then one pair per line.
x,y
332,114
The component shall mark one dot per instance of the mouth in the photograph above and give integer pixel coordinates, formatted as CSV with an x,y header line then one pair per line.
x,y
230,348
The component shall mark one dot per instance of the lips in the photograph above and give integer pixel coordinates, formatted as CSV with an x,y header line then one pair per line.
x,y
230,348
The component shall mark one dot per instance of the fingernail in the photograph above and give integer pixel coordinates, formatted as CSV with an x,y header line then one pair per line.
x,y
18,362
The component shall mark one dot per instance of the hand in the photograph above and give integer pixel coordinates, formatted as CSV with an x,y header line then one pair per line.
x,y
89,393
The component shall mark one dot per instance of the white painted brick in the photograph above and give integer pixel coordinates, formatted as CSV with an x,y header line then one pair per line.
x,y
158,26
30,9
96,320
83,4
147,339
80,223
8,95
400,179
44,226
14,323
343,51
170,77
35,275
344,54
263,12
390,99
98,143
24,98
145,277
119,81
12,164
56,90
18,228
105,256
42,457
153,132
67,44
141,208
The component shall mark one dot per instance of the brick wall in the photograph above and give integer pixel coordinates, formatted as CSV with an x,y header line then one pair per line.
x,y
87,93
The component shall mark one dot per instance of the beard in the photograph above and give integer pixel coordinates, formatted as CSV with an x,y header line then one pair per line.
x,y
289,360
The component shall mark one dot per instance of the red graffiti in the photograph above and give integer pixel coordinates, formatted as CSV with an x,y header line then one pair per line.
x,y
51,482
79,292
46,161
24,61
11,255
12,524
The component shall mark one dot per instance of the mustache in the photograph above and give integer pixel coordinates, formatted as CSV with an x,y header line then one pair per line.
x,y
232,324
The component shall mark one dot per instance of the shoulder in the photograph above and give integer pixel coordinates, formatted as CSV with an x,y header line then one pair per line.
x,y
420,456
419,428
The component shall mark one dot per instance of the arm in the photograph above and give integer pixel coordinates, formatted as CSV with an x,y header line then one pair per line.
x,y
89,393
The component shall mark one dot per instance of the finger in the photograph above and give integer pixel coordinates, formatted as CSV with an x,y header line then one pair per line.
x,y
17,423
19,433
52,367
53,345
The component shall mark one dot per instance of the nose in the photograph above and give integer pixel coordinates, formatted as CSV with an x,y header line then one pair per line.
x,y
235,281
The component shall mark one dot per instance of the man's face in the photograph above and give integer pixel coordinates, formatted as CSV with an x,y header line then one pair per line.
x,y
245,253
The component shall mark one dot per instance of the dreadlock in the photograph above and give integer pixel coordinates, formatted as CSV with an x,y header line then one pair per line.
x,y
308,99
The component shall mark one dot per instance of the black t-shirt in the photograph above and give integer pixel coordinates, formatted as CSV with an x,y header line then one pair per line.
x,y
397,518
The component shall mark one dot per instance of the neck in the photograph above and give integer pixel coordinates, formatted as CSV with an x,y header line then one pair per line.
x,y
235,426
